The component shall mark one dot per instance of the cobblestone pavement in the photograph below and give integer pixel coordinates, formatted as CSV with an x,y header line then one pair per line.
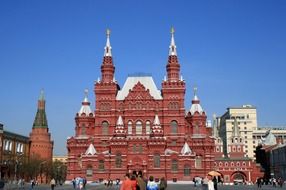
x,y
170,187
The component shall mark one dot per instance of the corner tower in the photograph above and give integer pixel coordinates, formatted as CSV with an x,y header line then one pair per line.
x,y
41,145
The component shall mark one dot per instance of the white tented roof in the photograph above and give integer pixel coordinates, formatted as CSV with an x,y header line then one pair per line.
x,y
196,108
91,150
146,81
85,109
186,149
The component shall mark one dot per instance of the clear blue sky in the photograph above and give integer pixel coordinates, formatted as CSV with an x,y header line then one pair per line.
x,y
233,50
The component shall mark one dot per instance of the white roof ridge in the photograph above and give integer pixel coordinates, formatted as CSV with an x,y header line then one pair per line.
x,y
186,149
91,150
146,81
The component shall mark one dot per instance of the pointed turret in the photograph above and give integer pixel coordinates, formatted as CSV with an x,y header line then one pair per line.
x,y
173,66
196,107
107,67
119,129
156,128
41,118
85,106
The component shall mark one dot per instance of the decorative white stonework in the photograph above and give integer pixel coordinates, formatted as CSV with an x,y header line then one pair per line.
x,y
156,128
85,108
186,150
156,120
91,150
119,129
169,151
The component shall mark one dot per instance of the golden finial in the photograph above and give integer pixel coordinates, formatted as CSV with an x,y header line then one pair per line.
x,y
172,30
108,32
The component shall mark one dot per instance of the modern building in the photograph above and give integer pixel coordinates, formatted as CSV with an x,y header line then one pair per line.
x,y
247,123
140,128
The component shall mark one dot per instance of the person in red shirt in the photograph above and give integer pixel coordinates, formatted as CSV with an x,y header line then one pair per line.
x,y
127,183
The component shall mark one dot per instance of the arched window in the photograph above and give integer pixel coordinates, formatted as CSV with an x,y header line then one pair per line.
x,y
89,171
198,162
118,161
148,124
101,165
83,130
157,161
129,128
138,128
105,126
174,127
187,170
140,148
174,165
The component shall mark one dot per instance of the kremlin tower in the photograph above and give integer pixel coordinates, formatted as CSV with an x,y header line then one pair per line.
x,y
41,145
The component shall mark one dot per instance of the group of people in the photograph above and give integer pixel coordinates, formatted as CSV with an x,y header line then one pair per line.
x,y
136,181
79,183
273,181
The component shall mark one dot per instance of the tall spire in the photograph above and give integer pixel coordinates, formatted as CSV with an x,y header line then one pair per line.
x,y
41,118
107,67
172,47
107,48
173,66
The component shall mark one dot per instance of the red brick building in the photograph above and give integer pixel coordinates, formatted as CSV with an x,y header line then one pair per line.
x,y
140,128
232,163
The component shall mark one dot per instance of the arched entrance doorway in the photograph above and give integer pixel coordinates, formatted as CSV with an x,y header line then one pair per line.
x,y
238,178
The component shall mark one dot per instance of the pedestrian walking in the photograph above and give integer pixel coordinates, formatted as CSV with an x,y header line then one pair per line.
x,y
163,184
53,183
126,184
151,185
